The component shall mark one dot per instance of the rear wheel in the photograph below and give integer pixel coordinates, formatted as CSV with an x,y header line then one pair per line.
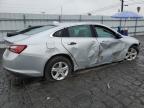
x,y
132,53
58,69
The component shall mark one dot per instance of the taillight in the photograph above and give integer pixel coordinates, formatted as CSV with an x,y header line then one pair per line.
x,y
17,48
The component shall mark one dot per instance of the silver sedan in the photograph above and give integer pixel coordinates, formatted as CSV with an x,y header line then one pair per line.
x,y
56,51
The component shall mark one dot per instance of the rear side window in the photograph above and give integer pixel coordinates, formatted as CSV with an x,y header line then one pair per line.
x,y
58,33
38,30
61,33
80,31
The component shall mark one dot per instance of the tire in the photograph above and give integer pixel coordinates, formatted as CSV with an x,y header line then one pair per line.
x,y
132,53
58,68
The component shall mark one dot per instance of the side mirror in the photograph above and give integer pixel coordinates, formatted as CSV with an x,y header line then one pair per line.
x,y
118,36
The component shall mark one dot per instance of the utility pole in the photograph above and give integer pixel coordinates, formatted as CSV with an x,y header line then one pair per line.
x,y
122,5
61,10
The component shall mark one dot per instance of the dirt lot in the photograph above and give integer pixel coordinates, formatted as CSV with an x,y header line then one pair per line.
x,y
118,85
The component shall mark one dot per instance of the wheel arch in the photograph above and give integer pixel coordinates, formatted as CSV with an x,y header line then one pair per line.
x,y
135,45
63,55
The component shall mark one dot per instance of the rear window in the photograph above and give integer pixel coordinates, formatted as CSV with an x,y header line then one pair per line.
x,y
38,30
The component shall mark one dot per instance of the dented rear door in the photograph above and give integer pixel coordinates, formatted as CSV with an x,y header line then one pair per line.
x,y
82,45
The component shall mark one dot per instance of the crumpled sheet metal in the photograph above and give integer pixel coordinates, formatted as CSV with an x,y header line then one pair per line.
x,y
112,51
89,53
85,51
86,55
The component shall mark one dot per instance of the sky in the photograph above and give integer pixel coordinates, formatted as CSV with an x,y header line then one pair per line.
x,y
77,7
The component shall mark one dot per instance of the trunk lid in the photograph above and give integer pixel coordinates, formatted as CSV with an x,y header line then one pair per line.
x,y
16,38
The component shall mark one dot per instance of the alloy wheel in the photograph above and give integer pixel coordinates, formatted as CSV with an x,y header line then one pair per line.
x,y
132,54
59,70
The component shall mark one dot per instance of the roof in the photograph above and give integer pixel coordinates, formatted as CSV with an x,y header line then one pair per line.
x,y
67,24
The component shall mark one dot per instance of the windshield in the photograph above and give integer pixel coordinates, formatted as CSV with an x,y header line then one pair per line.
x,y
38,30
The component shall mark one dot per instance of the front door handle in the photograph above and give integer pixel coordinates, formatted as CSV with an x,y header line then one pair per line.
x,y
72,43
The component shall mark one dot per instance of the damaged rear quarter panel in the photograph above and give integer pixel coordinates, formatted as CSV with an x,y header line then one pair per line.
x,y
55,47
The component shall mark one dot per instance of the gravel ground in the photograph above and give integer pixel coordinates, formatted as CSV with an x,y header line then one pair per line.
x,y
118,85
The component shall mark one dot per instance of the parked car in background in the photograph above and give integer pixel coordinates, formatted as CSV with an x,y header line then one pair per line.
x,y
56,51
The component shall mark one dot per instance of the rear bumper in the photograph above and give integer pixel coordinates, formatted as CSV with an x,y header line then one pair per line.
x,y
18,74
23,65
23,74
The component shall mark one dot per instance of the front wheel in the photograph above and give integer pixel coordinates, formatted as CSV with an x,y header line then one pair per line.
x,y
132,53
58,69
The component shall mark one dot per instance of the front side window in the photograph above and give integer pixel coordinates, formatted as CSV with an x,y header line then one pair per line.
x,y
80,31
103,32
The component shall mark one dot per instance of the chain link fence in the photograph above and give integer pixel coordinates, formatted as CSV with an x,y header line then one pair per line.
x,y
11,22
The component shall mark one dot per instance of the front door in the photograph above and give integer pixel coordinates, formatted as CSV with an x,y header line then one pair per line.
x,y
111,48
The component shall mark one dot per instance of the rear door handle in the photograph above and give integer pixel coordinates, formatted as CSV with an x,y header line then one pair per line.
x,y
72,43
104,41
